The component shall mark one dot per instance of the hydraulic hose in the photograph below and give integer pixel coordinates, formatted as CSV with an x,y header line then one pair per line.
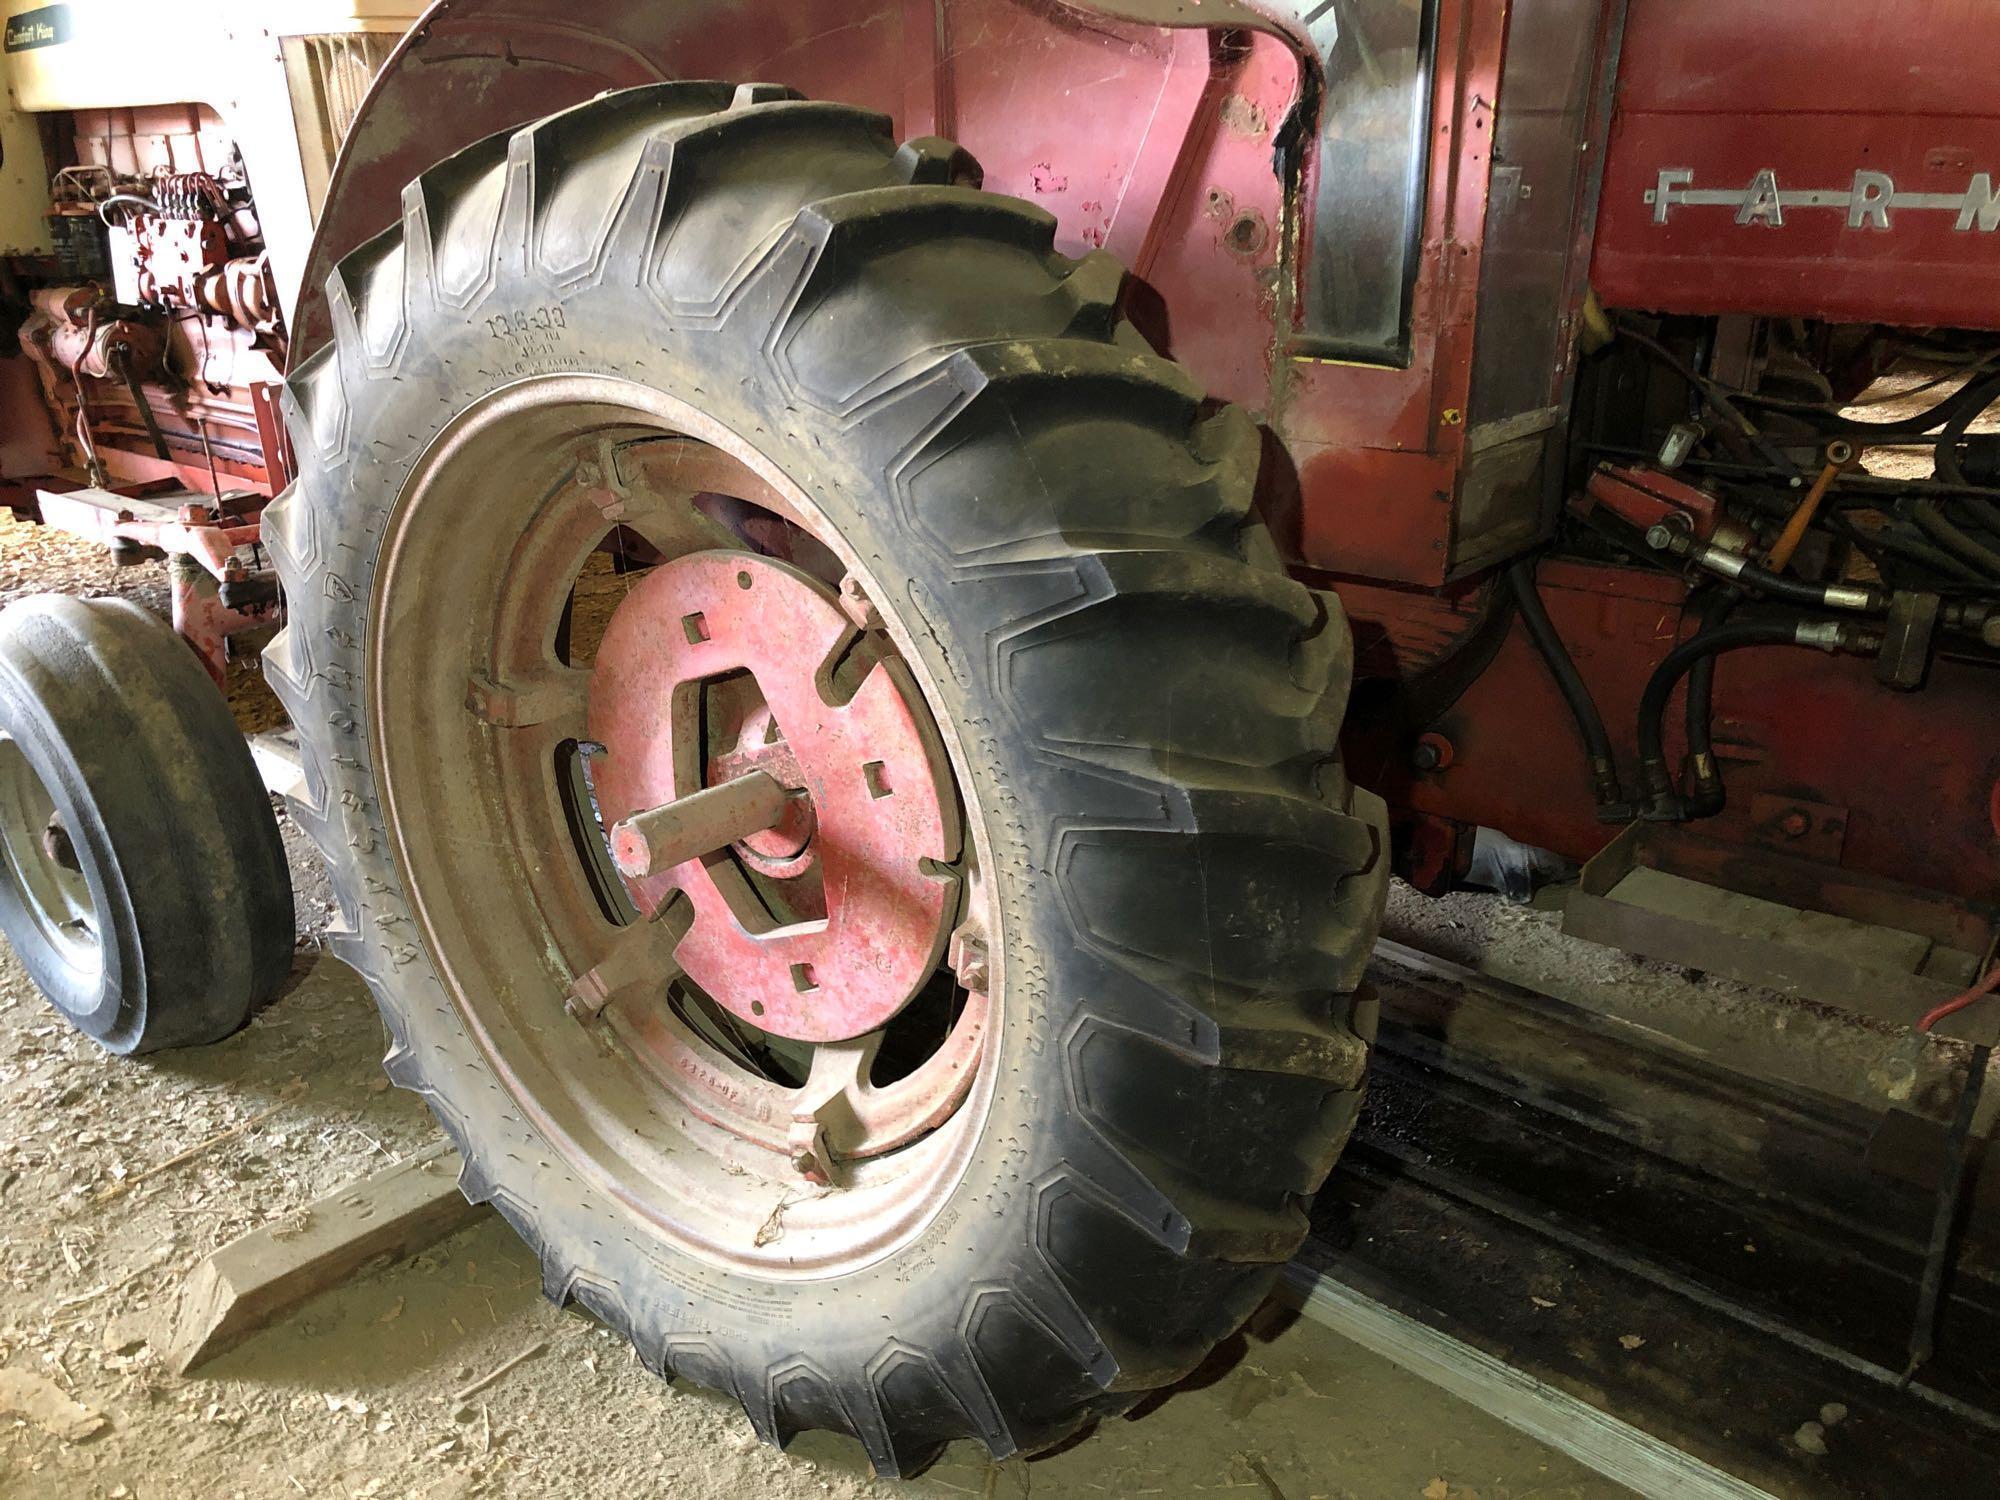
x,y
1712,396
1893,542
1604,787
1963,404
1982,510
1985,514
1978,502
1705,792
1662,803
125,200
1737,568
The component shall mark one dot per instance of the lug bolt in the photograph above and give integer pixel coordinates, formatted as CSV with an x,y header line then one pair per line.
x,y
857,606
1432,752
969,960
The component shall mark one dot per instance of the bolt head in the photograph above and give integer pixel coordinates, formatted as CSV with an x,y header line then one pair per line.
x,y
58,845
1432,752
968,959
808,1150
630,852
857,606
586,999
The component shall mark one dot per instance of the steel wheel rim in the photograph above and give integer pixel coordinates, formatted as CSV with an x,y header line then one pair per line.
x,y
56,897
509,949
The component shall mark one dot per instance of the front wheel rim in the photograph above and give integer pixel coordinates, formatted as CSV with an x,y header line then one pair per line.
x,y
52,888
549,956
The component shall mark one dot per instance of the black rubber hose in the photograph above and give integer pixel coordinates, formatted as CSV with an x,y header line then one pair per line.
x,y
1857,490
1964,403
1892,543
1714,397
1657,782
1733,567
1604,787
1981,511
1948,466
1705,792
1785,589
1930,518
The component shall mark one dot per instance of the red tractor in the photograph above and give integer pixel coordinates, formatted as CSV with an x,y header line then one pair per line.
x,y
865,637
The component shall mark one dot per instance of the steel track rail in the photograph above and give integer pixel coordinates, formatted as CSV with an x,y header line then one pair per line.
x,y
1616,1449
1508,1209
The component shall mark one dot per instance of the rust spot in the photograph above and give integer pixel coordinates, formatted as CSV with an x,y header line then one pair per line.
x,y
1048,180
1247,235
1219,204
1245,116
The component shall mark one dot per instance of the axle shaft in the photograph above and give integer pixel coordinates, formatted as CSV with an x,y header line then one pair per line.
x,y
691,826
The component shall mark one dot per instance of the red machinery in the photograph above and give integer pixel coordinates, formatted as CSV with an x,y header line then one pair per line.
x,y
158,372
1389,228
979,716
1400,296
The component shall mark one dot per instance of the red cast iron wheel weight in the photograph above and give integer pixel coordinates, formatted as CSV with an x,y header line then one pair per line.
x,y
744,773
837,949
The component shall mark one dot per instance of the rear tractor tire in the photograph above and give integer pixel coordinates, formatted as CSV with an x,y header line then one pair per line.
x,y
959,1061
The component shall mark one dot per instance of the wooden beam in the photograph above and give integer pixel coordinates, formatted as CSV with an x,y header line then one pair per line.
x,y
253,1281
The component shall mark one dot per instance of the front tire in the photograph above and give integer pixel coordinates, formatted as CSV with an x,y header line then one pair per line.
x,y
725,322
142,879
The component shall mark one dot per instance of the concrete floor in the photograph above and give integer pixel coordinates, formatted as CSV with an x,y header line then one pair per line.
x,y
353,1396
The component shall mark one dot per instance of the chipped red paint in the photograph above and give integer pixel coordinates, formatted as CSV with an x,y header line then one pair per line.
x,y
1647,497
205,550
206,623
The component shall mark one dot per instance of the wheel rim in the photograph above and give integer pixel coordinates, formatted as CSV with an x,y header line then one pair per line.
x,y
42,862
805,1004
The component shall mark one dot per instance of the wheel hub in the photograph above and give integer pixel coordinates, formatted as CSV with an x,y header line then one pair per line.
x,y
822,925
783,850
38,854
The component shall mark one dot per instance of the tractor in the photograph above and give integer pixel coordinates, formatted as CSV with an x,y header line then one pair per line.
x,y
869,596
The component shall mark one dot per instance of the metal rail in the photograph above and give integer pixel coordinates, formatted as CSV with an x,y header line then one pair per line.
x,y
1558,1215
1596,1439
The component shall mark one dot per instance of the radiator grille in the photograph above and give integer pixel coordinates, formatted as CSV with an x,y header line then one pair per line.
x,y
329,77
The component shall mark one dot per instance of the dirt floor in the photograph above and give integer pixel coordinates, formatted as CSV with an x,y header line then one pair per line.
x,y
117,1177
